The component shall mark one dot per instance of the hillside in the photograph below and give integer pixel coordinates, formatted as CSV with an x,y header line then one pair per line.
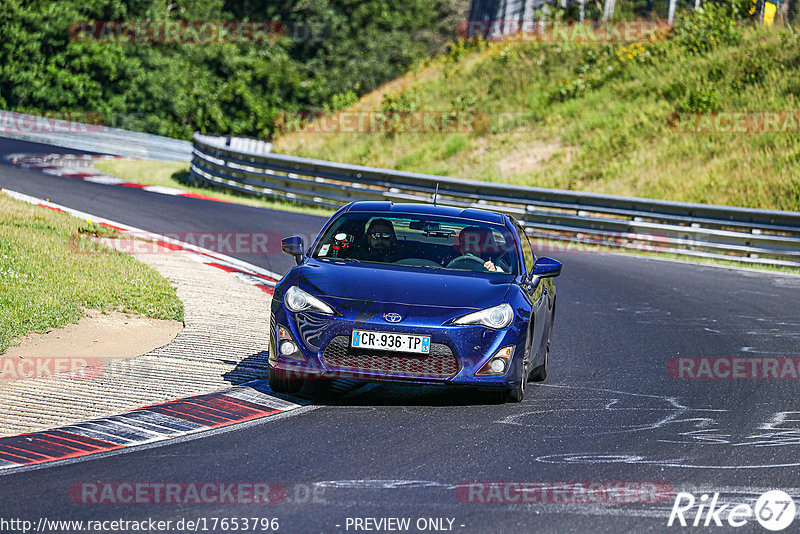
x,y
605,117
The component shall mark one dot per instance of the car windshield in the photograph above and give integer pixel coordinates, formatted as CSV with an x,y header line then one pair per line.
x,y
420,241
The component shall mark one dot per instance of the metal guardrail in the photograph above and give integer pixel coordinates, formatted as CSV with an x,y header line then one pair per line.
x,y
92,137
240,144
742,234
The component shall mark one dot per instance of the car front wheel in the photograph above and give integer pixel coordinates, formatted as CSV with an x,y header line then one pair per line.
x,y
281,382
539,374
516,394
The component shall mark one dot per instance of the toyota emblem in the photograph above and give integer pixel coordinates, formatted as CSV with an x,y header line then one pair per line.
x,y
392,317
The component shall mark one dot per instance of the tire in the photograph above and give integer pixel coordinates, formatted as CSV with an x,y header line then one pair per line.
x,y
539,374
279,382
516,394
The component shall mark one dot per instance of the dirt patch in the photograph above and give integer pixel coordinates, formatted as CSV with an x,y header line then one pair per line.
x,y
110,336
481,148
525,158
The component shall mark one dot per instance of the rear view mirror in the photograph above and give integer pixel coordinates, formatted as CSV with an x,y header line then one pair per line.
x,y
425,226
293,246
546,268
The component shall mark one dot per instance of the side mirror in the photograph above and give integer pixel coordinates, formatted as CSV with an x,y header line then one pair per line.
x,y
293,246
546,268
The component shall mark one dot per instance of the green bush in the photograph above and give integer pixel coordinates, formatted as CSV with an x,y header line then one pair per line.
x,y
395,109
333,52
708,27
341,101
464,102
405,101
702,97
458,50
752,71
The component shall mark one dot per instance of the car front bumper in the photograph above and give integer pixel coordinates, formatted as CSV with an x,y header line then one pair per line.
x,y
457,352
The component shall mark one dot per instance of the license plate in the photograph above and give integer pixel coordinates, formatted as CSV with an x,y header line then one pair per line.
x,y
389,341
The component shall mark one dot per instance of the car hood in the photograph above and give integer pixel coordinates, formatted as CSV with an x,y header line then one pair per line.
x,y
403,285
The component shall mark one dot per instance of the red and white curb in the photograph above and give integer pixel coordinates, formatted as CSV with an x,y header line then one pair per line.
x,y
150,424
252,274
162,421
67,165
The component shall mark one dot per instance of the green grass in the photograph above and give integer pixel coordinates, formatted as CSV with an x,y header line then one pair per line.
x,y
50,269
595,117
176,174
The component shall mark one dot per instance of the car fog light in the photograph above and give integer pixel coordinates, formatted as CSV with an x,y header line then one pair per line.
x,y
287,346
498,365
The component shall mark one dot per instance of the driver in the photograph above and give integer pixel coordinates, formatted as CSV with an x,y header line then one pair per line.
x,y
479,242
381,241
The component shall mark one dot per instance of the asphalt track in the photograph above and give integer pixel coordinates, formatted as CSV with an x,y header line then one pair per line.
x,y
609,410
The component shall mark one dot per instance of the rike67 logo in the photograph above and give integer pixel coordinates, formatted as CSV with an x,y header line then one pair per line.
x,y
774,510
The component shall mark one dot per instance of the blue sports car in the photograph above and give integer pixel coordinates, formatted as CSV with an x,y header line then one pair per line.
x,y
414,293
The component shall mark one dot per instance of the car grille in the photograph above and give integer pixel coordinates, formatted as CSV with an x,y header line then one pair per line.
x,y
340,356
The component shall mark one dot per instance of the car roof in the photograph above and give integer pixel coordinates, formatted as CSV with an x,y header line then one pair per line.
x,y
428,209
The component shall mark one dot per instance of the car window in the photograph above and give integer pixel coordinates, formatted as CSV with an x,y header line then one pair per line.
x,y
527,248
420,241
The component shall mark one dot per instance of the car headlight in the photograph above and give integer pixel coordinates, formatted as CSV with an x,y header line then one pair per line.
x,y
297,300
496,317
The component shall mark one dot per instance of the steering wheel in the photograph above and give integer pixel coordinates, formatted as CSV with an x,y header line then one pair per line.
x,y
469,261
